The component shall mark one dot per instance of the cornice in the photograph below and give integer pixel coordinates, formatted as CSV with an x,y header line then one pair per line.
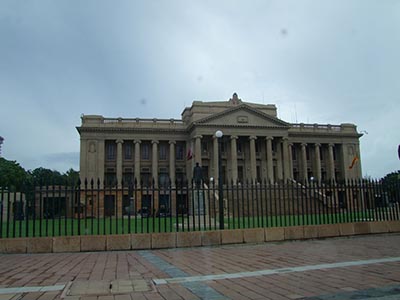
x,y
324,134
117,129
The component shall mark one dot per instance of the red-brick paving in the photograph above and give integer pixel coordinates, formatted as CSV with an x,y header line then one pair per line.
x,y
51,269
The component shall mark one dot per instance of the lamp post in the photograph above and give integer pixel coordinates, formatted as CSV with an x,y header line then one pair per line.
x,y
218,135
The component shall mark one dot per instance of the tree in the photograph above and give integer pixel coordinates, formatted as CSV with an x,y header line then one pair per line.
x,y
72,177
12,175
42,176
391,183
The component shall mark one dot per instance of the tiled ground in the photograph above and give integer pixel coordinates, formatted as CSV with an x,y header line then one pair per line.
x,y
139,268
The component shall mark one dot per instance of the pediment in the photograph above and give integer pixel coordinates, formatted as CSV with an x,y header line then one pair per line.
x,y
244,116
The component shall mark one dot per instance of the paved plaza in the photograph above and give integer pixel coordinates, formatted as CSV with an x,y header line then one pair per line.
x,y
361,267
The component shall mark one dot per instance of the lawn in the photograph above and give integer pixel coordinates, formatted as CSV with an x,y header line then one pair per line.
x,y
101,226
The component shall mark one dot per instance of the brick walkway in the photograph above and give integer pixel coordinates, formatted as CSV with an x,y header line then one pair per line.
x,y
130,274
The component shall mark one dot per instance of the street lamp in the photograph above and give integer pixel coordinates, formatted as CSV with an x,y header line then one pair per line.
x,y
218,135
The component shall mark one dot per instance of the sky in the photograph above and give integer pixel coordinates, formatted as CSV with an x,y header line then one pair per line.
x,y
327,62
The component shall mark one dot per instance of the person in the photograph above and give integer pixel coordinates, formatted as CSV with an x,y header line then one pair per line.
x,y
197,175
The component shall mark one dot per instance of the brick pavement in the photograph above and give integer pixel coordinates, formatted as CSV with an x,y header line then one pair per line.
x,y
139,268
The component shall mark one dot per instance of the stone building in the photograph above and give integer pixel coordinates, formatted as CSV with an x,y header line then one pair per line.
x,y
256,145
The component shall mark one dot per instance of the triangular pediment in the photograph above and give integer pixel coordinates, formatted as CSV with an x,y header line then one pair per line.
x,y
243,115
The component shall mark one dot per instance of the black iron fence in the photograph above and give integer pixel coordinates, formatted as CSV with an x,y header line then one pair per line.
x,y
93,208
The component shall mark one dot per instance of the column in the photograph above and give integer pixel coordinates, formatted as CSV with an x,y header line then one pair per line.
x,y
279,162
358,174
137,161
286,159
304,162
291,161
234,159
154,163
318,162
253,166
270,162
331,162
119,162
189,163
215,160
197,149
101,157
172,162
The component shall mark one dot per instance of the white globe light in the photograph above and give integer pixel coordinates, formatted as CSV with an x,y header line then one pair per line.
x,y
219,134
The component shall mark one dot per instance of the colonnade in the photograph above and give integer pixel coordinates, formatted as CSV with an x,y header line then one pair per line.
x,y
282,155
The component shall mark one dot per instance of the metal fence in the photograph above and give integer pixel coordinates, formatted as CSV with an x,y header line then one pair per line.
x,y
93,208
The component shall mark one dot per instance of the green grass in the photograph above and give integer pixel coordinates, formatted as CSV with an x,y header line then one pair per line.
x,y
101,226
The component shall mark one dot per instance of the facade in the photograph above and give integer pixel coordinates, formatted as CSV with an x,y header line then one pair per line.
x,y
255,146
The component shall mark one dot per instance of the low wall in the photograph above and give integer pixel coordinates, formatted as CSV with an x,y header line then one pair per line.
x,y
190,239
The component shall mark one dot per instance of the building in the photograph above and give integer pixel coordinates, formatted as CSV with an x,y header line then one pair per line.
x,y
256,145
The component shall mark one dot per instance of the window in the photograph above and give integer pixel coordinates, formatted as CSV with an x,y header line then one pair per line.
x,y
163,152
145,151
273,147
146,179
180,178
223,147
128,178
128,151
110,179
111,151
258,173
204,147
163,180
294,153
239,147
308,153
334,154
180,151
258,148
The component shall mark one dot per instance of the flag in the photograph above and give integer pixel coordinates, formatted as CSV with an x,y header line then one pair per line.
x,y
189,154
353,162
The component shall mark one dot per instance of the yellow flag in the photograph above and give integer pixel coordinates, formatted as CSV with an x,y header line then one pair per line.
x,y
353,162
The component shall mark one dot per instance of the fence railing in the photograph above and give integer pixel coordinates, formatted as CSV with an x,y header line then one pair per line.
x,y
92,208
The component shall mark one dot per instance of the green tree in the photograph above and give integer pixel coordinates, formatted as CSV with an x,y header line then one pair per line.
x,y
42,176
72,177
391,183
12,175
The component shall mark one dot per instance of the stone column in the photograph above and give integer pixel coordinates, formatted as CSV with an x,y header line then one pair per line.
x,y
304,162
234,159
172,162
279,163
154,163
270,162
189,163
215,159
318,162
137,161
101,158
286,159
119,162
253,165
291,161
331,162
197,149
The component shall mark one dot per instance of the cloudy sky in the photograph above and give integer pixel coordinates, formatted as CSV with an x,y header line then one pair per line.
x,y
319,61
